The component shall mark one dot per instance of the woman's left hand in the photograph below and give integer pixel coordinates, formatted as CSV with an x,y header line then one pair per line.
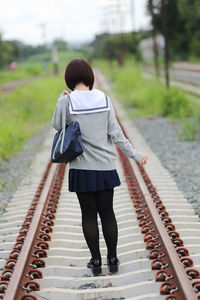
x,y
143,160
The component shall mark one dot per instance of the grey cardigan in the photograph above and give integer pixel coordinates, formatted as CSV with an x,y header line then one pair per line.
x,y
98,130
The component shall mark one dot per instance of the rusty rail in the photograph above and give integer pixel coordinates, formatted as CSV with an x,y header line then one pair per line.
x,y
181,81
160,235
173,275
19,276
168,255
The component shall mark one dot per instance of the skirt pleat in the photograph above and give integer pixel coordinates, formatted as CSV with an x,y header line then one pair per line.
x,y
91,180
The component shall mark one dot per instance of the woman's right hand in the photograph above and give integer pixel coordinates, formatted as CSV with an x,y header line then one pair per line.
x,y
143,160
66,92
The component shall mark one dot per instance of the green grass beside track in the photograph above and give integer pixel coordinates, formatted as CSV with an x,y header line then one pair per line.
x,y
35,65
26,110
144,97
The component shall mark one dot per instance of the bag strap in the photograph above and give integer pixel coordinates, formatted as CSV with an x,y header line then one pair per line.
x,y
64,109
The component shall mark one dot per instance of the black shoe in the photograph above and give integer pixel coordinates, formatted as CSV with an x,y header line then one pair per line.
x,y
113,263
95,265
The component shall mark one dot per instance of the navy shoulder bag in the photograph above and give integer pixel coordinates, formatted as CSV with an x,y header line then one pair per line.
x,y
67,144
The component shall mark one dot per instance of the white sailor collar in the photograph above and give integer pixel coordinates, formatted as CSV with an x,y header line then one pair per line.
x,y
85,102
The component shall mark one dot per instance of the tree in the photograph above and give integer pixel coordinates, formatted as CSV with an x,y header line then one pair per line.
x,y
28,50
60,44
190,14
109,45
9,52
155,45
178,45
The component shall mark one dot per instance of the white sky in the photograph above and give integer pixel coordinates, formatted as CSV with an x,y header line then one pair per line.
x,y
71,20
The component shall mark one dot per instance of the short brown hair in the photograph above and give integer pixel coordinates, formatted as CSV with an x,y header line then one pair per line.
x,y
78,70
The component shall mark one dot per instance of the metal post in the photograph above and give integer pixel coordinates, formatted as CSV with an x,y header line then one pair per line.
x,y
55,59
166,50
122,50
155,45
134,39
116,8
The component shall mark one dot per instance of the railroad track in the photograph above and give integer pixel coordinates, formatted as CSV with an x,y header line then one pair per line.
x,y
48,260
184,66
12,85
184,78
183,74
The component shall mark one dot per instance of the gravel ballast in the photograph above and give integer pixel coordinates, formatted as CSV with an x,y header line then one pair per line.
x,y
181,158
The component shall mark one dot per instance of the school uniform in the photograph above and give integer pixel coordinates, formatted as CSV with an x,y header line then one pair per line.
x,y
94,169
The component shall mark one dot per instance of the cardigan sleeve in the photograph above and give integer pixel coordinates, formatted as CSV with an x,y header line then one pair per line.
x,y
60,113
117,135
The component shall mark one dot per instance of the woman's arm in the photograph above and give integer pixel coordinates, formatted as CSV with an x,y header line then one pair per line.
x,y
59,116
115,131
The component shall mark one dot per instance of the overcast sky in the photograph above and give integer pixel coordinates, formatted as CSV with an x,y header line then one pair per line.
x,y
36,21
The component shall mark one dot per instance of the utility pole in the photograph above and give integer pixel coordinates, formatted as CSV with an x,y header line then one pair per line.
x,y
45,59
55,59
122,50
117,8
166,49
43,29
134,38
155,45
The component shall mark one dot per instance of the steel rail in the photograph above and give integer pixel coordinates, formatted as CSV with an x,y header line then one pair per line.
x,y
16,83
151,71
185,290
196,95
176,283
180,69
16,283
12,85
185,69
14,254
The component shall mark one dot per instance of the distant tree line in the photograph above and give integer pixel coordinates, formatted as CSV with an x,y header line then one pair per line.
x,y
112,46
15,50
9,52
183,23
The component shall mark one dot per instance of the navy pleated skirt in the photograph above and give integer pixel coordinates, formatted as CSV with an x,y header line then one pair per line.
x,y
91,181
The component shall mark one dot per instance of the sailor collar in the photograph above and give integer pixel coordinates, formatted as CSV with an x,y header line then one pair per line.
x,y
86,102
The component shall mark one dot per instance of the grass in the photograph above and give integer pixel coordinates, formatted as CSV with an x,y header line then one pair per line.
x,y
21,72
190,130
144,97
35,65
64,56
2,184
28,108
25,111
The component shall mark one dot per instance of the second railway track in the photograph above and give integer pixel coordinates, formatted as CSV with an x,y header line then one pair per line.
x,y
183,78
49,258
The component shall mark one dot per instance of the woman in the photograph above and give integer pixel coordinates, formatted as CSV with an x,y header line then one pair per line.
x,y
92,175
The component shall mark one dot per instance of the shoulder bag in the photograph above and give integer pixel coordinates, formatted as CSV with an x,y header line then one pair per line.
x,y
67,143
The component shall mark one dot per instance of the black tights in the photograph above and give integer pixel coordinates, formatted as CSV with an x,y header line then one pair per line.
x,y
101,202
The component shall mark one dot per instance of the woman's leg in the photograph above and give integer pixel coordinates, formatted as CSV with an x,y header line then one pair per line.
x,y
108,220
89,222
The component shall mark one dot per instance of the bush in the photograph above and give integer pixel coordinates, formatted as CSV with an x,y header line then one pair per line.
x,y
175,104
190,128
151,97
34,70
